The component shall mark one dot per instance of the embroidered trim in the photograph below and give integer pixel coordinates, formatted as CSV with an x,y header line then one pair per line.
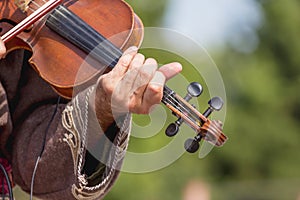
x,y
71,138
120,152
84,122
77,143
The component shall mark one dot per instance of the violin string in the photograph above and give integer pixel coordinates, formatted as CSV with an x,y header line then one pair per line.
x,y
88,38
173,99
174,102
81,29
107,49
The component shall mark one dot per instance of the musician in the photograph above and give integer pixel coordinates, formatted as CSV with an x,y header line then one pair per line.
x,y
81,142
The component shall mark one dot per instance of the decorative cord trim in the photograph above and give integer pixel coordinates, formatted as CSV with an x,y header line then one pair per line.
x,y
71,138
89,193
77,144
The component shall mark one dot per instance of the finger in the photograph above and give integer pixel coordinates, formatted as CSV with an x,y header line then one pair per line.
x,y
131,74
143,77
126,86
153,93
171,69
124,62
137,62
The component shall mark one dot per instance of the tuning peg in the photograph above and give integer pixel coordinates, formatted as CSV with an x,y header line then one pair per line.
x,y
192,145
216,103
194,90
173,128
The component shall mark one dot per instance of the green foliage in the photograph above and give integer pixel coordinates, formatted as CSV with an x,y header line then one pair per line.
x,y
261,158
150,11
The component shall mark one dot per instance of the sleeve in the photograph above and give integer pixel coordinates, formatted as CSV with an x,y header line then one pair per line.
x,y
78,160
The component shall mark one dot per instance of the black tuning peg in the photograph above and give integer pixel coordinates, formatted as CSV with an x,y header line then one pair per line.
x,y
191,145
215,104
194,89
173,128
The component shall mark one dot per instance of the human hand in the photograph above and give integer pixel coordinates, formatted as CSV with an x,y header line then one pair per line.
x,y
2,49
134,85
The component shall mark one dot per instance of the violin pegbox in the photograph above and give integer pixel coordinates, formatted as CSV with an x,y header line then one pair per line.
x,y
206,129
194,89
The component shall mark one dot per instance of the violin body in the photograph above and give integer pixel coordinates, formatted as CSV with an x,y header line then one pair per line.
x,y
113,19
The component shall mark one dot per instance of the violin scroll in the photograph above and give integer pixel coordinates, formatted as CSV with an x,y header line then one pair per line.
x,y
206,129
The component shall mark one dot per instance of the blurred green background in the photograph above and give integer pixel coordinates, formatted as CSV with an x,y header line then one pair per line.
x,y
261,159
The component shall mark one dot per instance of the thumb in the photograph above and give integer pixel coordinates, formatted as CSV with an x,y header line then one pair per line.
x,y
171,69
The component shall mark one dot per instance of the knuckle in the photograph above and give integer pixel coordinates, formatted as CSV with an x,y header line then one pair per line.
x,y
125,60
140,56
131,106
109,89
107,85
146,73
155,88
151,61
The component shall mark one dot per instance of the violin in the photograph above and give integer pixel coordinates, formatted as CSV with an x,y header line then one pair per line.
x,y
61,33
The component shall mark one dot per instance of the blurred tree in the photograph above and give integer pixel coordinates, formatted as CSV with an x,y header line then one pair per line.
x,y
263,96
261,158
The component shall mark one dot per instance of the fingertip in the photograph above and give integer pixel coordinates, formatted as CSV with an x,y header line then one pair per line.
x,y
158,80
150,61
125,59
177,66
171,69
130,50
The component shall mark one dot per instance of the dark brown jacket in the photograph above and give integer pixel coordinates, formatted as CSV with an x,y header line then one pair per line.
x,y
77,160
